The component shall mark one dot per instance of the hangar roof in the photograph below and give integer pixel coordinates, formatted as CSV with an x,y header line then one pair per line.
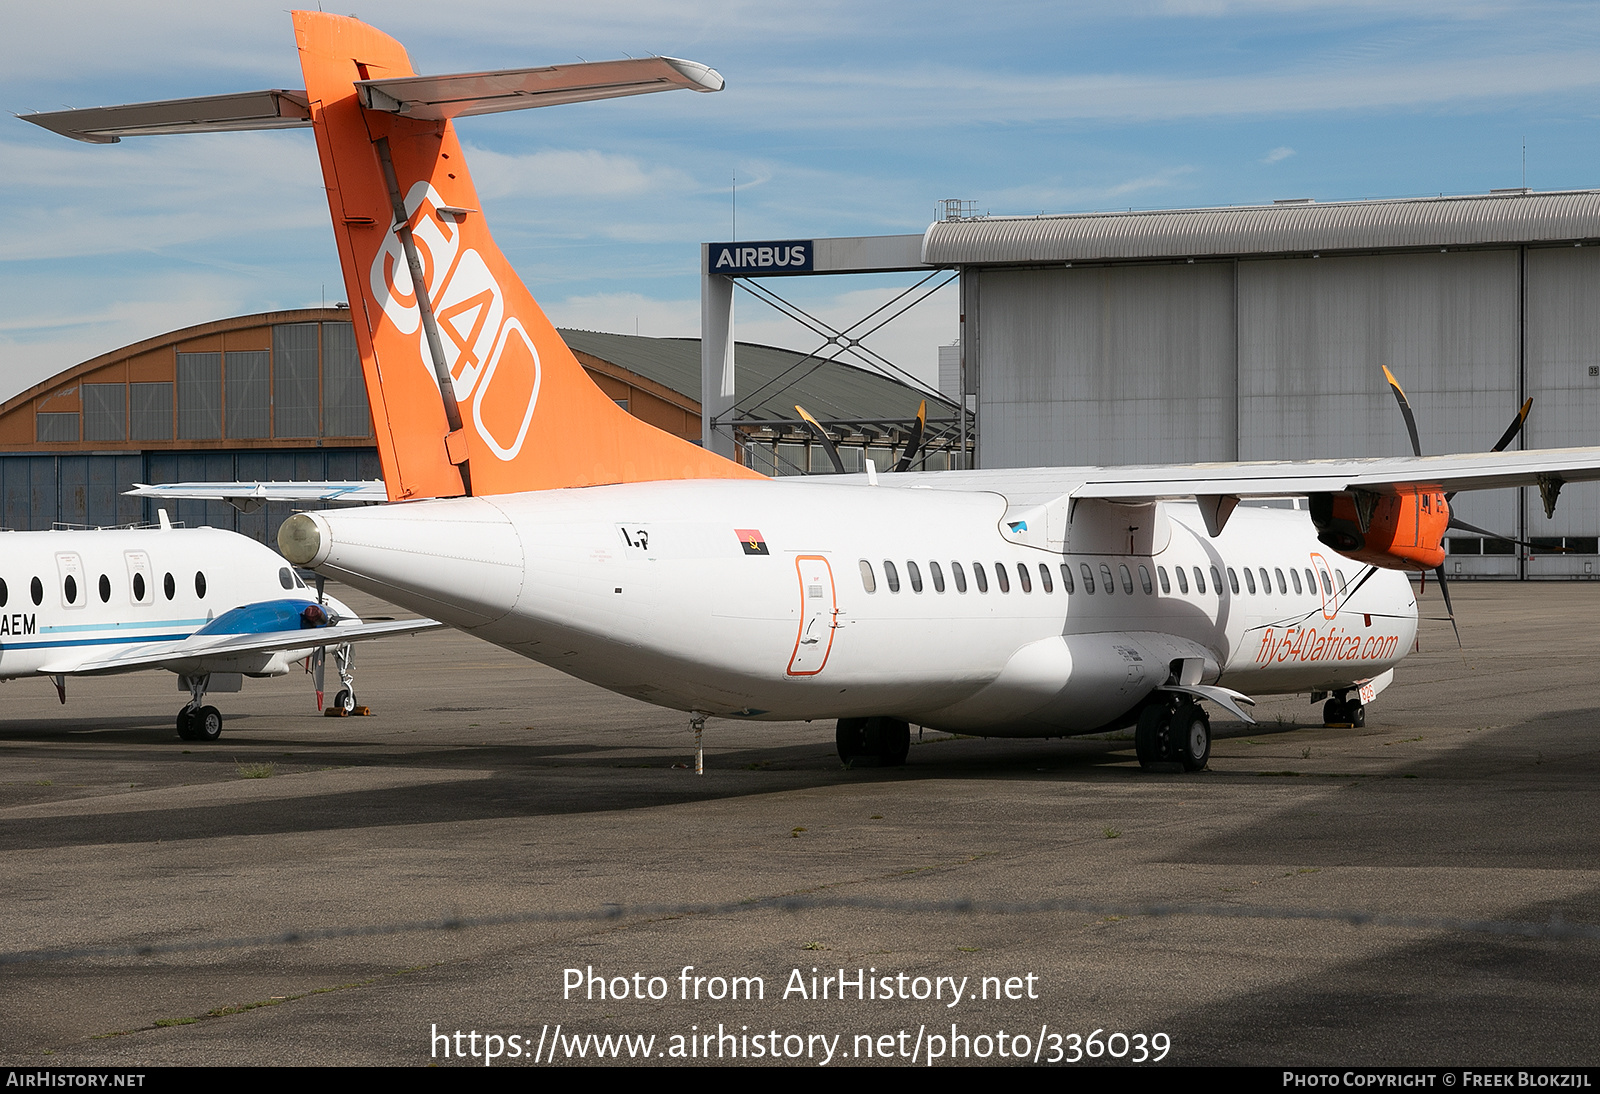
x,y
1505,218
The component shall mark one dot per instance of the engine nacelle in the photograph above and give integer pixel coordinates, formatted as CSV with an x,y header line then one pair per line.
x,y
1399,531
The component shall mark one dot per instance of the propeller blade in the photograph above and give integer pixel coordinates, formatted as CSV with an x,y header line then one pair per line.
x,y
1514,428
1405,409
1475,530
822,435
1444,588
318,661
915,439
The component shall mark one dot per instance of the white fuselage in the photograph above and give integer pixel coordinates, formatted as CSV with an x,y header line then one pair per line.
x,y
752,599
70,596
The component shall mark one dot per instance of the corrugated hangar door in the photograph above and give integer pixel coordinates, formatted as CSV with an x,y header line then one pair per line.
x,y
1113,365
1315,333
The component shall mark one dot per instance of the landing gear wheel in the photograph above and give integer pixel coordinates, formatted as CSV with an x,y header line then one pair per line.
x,y
207,724
1191,734
1344,712
850,738
894,740
186,725
1357,715
345,701
1150,740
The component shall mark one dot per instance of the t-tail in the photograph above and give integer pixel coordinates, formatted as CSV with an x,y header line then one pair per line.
x,y
471,388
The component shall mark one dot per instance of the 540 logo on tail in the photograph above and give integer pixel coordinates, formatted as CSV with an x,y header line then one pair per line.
x,y
470,307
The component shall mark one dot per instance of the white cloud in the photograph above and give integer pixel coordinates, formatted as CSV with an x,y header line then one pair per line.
x,y
558,173
1277,155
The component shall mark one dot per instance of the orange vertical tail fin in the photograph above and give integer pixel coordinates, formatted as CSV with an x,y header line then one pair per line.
x,y
472,390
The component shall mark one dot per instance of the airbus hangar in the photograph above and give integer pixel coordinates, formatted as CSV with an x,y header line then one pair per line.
x,y
1261,332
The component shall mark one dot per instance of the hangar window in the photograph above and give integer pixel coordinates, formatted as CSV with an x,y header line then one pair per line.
x,y
105,412
1023,578
868,582
69,588
1298,591
1044,578
1233,581
1144,579
105,588
1183,580
150,412
1105,579
294,379
246,379
1066,578
36,590
1166,586
960,576
199,396
169,586
937,575
915,575
1250,580
1127,578
200,584
1216,581
980,577
1199,581
56,427
1001,578
891,575
344,391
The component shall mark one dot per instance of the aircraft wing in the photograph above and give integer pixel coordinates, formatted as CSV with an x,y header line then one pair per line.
x,y
182,656
251,495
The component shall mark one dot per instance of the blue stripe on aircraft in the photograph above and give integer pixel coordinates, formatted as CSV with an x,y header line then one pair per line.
x,y
95,642
62,627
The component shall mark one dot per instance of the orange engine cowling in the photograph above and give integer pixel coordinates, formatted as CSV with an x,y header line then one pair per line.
x,y
1404,530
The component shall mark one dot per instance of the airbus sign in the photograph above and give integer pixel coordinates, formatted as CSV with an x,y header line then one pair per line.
x,y
760,257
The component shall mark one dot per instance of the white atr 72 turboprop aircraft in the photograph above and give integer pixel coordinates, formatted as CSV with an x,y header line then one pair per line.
x,y
209,605
527,508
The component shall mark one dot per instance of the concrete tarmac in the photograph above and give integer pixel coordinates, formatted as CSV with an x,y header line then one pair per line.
x,y
488,786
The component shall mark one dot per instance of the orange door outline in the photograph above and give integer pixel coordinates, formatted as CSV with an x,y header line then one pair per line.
x,y
815,618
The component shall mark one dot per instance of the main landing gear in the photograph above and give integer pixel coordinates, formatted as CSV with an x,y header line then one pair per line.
x,y
1344,709
1178,733
885,739
197,722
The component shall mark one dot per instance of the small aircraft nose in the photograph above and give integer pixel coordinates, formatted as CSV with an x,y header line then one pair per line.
x,y
301,541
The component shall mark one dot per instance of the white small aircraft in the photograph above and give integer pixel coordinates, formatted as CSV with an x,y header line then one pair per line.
x,y
527,508
209,605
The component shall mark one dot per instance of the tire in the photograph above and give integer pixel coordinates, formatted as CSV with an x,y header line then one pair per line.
x,y
185,725
1150,739
1333,713
894,740
1358,715
1191,734
207,724
850,737
345,700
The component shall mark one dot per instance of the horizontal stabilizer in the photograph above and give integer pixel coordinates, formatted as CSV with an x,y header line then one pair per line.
x,y
251,495
437,98
273,109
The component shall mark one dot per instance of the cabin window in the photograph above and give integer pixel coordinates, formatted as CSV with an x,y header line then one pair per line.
x,y
70,588
1105,579
36,591
868,582
1311,582
1216,581
1088,577
1183,580
1250,580
1044,578
1342,585
1066,578
1166,586
1199,581
980,577
1298,591
105,588
1022,576
138,588
1127,578
1282,588
285,578
937,575
1001,578
169,586
4,594
1144,579
1327,586
891,576
1233,581
200,584
915,575
960,575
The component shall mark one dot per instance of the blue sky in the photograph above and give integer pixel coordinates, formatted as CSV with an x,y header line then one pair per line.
x,y
838,119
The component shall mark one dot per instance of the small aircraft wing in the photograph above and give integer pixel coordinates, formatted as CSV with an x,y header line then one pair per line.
x,y
250,496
